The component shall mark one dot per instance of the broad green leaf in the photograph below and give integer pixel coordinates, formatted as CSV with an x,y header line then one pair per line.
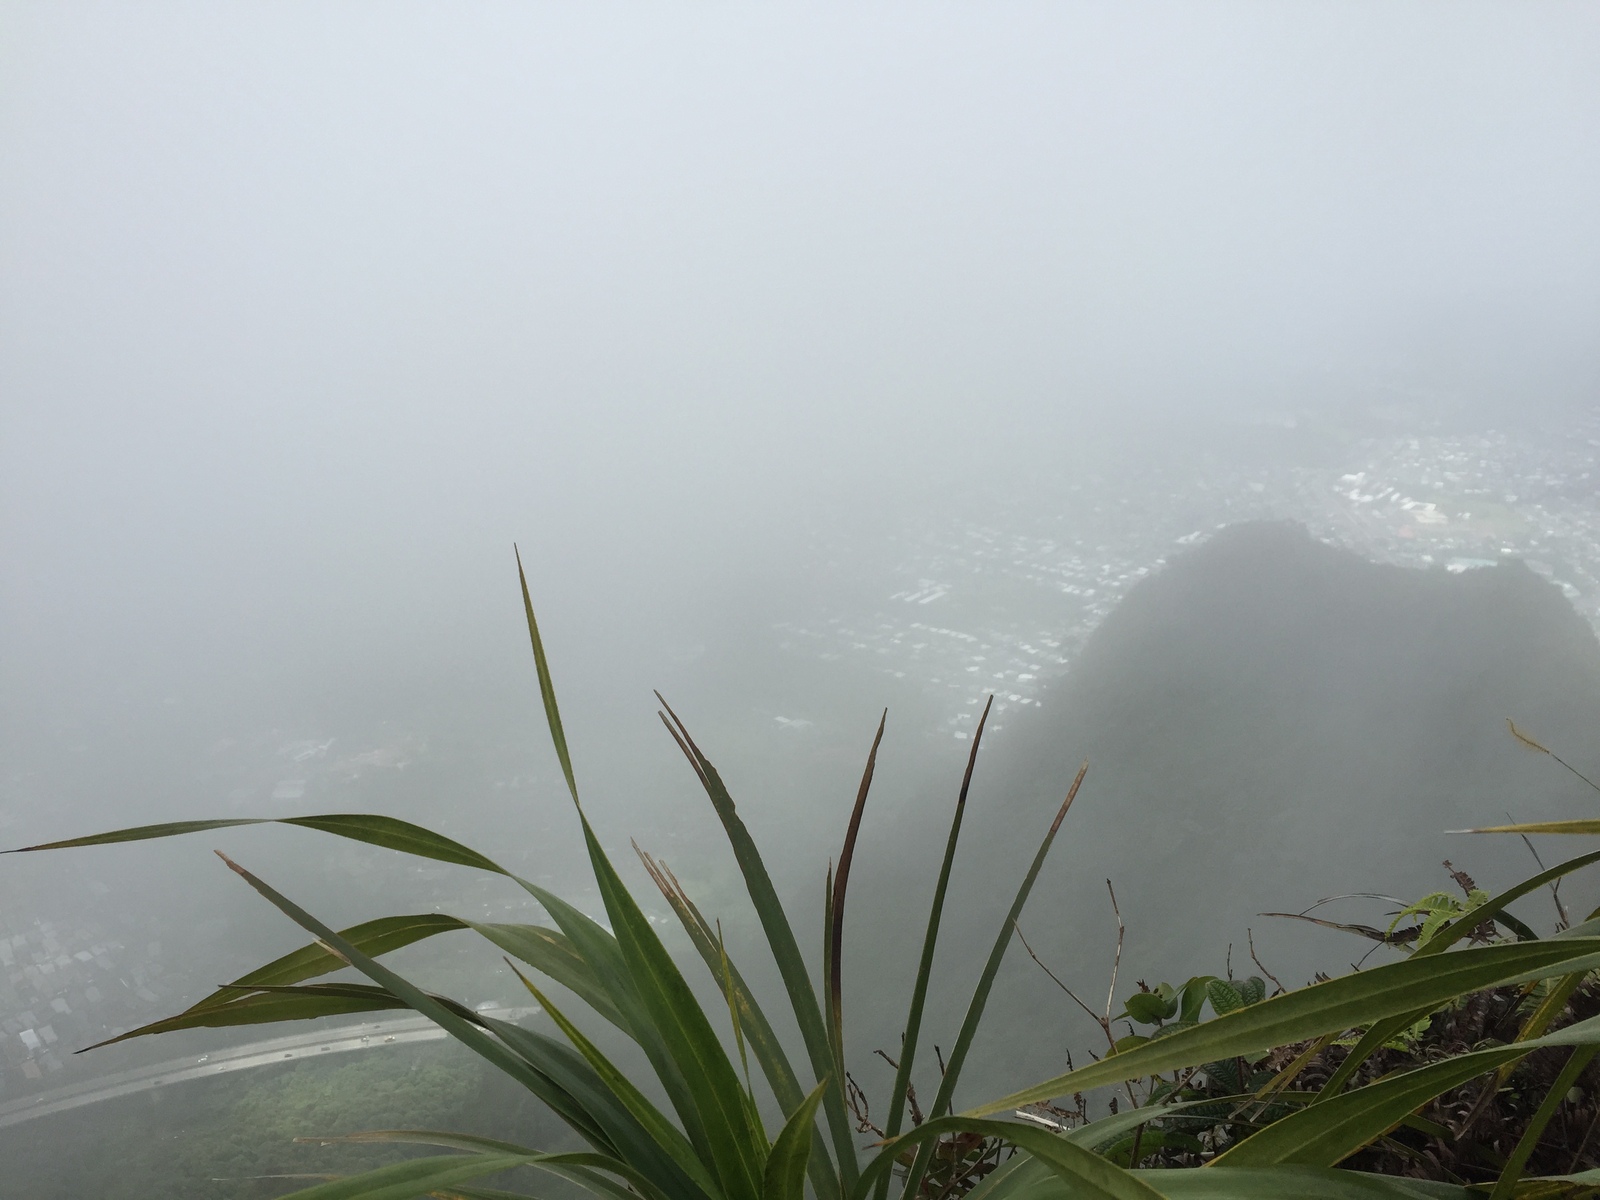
x,y
1194,998
1323,1134
1086,1175
784,1177
1349,1002
1148,1008
1224,996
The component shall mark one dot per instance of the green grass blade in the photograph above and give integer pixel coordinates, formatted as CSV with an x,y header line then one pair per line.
x,y
585,1174
423,1176
414,1177
1296,1183
374,938
980,994
784,1177
391,833
1085,1174
140,833
456,1025
841,881
608,967
554,955
267,1007
1586,825
547,690
781,940
769,1052
719,1119
1555,1096
616,1130
1370,1042
1492,909
655,1123
1321,1135
930,941
424,1137
1349,1002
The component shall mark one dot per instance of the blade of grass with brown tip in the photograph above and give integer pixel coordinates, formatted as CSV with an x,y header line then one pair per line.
x,y
714,1108
781,941
769,1052
841,881
930,942
980,993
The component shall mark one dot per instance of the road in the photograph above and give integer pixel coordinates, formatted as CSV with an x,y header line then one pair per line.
x,y
341,1039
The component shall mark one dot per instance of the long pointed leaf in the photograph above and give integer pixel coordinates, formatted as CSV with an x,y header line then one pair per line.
x,y
1085,1173
930,941
655,1123
618,1131
1489,910
1585,825
460,1028
784,1178
547,691
769,1052
841,881
1297,1183
734,1146
391,833
781,940
980,994
1348,1002
420,1176
1555,1096
554,955
267,1007
1323,1134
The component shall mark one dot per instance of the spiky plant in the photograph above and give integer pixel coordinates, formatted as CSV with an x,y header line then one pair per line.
x,y
710,1142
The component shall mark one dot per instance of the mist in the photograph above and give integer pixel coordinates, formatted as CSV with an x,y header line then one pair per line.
x,y
725,317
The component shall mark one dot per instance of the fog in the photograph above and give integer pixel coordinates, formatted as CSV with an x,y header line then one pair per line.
x,y
308,313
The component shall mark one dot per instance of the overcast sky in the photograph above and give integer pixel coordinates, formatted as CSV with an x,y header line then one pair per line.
x,y
307,311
